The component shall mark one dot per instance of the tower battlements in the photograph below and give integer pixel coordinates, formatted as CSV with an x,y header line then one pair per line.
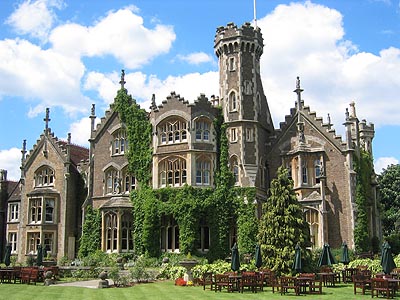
x,y
232,39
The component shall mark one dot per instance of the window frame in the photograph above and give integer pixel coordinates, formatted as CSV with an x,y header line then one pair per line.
x,y
13,212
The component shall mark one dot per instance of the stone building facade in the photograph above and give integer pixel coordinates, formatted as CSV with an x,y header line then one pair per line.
x,y
44,208
319,161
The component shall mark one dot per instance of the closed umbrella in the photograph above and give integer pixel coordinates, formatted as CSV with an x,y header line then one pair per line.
x,y
258,257
235,263
297,266
39,258
387,261
326,258
345,259
7,255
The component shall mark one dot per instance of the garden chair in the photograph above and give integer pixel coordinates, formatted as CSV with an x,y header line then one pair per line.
x,y
361,281
223,281
208,279
249,281
380,286
287,283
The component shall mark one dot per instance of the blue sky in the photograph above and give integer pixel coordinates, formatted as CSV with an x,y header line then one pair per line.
x,y
67,55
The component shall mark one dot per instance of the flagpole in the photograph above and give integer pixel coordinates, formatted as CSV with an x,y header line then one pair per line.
x,y
255,15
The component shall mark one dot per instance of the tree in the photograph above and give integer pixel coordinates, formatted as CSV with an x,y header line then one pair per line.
x,y
283,226
389,187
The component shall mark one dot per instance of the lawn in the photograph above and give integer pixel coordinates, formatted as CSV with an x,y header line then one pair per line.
x,y
163,290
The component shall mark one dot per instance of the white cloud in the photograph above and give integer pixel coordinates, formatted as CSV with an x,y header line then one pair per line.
x,y
10,160
80,131
308,40
120,34
35,18
41,76
196,58
382,163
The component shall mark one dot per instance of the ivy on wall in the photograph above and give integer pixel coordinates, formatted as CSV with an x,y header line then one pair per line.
x,y
364,168
222,207
91,232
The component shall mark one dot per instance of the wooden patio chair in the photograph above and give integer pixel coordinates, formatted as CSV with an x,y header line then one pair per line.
x,y
362,282
223,281
288,283
248,281
380,286
208,279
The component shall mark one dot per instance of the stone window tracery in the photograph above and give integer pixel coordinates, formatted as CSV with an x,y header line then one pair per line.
x,y
172,172
173,131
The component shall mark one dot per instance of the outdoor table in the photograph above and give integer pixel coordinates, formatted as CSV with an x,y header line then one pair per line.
x,y
235,279
328,278
393,284
304,283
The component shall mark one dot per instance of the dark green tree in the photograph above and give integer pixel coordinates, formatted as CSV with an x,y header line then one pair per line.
x,y
91,233
283,226
365,171
389,190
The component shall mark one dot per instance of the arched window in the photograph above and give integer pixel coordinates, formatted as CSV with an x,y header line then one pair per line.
x,y
111,226
169,233
203,172
44,176
111,181
172,172
172,131
235,169
126,232
120,142
232,101
128,181
203,130
312,218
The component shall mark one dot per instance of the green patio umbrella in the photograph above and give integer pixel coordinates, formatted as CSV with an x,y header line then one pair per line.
x,y
235,262
7,255
258,258
297,266
387,261
39,258
326,258
345,259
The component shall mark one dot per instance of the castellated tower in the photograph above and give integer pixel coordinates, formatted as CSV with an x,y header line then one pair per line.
x,y
244,104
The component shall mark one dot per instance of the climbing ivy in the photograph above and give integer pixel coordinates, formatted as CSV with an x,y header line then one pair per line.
x,y
221,207
91,232
364,168
139,135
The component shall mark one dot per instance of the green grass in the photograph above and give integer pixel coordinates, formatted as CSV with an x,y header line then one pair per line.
x,y
163,290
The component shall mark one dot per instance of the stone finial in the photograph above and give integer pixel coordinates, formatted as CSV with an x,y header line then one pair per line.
x,y
69,138
122,82
93,109
353,109
153,101
347,113
47,119
297,82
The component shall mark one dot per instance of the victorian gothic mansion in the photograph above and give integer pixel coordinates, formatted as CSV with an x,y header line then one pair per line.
x,y
45,206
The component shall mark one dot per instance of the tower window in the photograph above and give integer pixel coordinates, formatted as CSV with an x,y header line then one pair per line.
x,y
232,101
231,64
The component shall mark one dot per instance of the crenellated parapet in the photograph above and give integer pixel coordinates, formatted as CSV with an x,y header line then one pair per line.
x,y
231,39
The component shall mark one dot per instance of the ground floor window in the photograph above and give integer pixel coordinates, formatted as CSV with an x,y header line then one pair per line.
x,y
203,238
12,240
48,243
169,234
312,218
33,242
117,235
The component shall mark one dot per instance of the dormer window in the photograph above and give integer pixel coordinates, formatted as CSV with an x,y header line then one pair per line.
x,y
120,142
44,177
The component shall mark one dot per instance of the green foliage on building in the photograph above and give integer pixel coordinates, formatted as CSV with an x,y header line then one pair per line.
x,y
91,233
364,168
